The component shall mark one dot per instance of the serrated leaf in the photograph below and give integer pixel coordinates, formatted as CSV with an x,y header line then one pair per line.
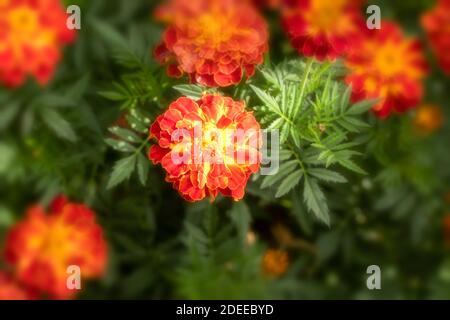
x,y
125,134
120,145
356,122
137,124
267,99
351,166
113,95
143,165
362,107
345,99
283,171
289,183
122,171
191,91
58,124
327,175
315,200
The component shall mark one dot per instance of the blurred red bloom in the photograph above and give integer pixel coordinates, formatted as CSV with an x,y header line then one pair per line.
x,y
322,29
385,64
32,33
10,289
43,246
436,23
207,147
215,42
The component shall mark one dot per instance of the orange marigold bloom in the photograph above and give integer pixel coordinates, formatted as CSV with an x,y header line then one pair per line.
x,y
275,263
207,147
322,29
428,118
436,23
10,289
387,65
43,246
32,33
215,42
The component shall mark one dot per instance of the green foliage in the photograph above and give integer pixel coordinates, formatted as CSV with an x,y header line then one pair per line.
x,y
317,126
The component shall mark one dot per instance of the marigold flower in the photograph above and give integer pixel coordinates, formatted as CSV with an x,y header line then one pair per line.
x,y
322,29
436,23
10,289
275,263
387,65
215,42
428,118
43,246
32,33
207,147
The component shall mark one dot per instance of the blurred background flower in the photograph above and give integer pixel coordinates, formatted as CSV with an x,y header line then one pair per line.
x,y
436,23
42,247
216,42
31,39
387,65
322,29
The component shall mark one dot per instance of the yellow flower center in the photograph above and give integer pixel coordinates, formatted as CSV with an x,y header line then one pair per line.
x,y
390,60
325,16
214,28
54,241
23,21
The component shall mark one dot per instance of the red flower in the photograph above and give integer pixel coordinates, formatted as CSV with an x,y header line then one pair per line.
x,y
436,23
10,289
322,29
214,41
207,147
32,33
43,246
387,65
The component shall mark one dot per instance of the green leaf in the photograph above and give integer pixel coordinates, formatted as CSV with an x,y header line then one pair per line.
x,y
143,165
191,91
267,99
7,157
362,106
283,170
351,166
327,175
122,171
125,134
58,124
7,114
345,99
241,217
113,95
196,233
120,145
289,183
315,200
